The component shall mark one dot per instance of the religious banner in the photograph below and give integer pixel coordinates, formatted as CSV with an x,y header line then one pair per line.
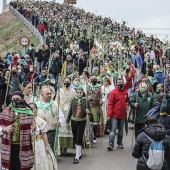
x,y
70,1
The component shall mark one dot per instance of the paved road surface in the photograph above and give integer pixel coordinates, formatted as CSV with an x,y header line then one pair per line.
x,y
118,159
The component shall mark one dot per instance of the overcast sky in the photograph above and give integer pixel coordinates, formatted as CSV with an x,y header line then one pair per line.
x,y
137,13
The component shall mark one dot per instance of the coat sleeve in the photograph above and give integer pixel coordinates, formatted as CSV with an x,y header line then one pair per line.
x,y
137,150
133,100
163,108
90,115
143,68
140,61
3,84
111,103
69,113
37,80
152,100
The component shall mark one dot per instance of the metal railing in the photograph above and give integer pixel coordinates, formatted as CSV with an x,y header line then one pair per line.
x,y
28,24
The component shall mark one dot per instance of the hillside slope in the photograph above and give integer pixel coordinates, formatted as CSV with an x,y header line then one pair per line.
x,y
11,29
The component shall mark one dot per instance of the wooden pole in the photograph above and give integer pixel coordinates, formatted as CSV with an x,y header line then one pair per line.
x,y
58,113
35,123
88,123
7,89
134,121
164,80
49,65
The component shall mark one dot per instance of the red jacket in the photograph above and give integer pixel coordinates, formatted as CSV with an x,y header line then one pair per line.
x,y
158,53
129,79
14,63
117,103
41,27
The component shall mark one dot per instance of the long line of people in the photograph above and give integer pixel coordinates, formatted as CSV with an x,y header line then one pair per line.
x,y
105,67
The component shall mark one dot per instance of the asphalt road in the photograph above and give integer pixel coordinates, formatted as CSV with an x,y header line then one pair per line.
x,y
118,159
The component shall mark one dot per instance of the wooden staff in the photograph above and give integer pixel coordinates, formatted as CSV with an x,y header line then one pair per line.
x,y
100,113
89,58
57,118
34,136
7,89
62,43
49,65
134,120
88,124
164,80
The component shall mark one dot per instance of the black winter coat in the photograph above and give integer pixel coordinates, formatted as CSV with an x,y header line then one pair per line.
x,y
40,55
155,132
3,88
46,55
56,67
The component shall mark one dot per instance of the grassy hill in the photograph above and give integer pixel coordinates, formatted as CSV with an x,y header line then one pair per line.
x,y
11,29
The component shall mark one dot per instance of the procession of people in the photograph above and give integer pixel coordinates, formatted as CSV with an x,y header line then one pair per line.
x,y
91,75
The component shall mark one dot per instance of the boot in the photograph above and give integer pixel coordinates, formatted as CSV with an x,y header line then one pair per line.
x,y
78,152
95,129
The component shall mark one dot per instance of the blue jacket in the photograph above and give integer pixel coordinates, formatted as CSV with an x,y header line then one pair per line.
x,y
154,111
165,120
138,59
159,76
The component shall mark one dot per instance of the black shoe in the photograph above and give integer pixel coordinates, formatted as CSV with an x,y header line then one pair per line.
x,y
120,146
110,147
76,161
80,157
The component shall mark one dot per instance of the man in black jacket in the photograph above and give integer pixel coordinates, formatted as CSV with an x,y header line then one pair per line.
x,y
31,52
40,57
56,66
1,65
46,56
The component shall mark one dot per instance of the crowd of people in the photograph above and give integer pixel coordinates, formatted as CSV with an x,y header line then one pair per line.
x,y
91,75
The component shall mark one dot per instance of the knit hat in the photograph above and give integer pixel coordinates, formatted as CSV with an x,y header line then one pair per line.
x,y
19,93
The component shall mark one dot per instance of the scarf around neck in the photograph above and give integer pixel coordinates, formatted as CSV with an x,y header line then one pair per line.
x,y
93,87
152,80
80,99
47,107
25,110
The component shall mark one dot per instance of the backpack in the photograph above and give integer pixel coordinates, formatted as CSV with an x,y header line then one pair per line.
x,y
155,154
